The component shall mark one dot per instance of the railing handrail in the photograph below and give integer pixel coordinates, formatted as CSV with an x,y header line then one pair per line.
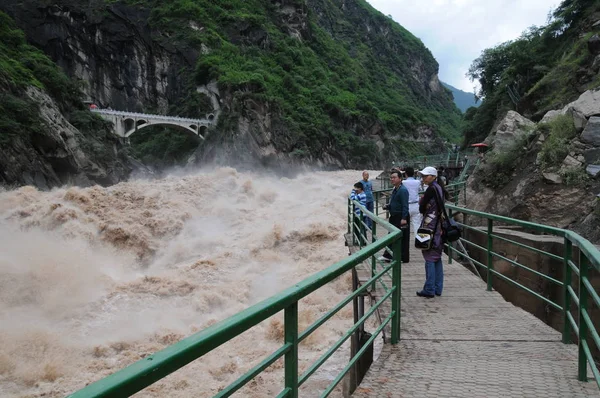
x,y
589,259
584,245
147,371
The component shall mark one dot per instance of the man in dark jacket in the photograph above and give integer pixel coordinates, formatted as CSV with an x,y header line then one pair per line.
x,y
399,217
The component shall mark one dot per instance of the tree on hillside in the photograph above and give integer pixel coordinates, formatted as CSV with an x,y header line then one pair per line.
x,y
537,72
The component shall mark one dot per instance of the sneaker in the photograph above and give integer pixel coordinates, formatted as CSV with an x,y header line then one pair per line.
x,y
385,259
423,294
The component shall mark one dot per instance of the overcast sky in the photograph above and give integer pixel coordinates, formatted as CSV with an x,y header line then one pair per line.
x,y
457,31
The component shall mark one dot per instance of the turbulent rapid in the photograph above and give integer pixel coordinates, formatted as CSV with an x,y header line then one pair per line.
x,y
94,279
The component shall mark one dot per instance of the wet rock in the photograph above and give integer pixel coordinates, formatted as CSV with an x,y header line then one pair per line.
x,y
579,119
592,155
596,64
593,44
591,133
593,169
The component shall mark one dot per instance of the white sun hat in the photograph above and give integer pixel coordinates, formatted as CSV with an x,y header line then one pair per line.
x,y
428,171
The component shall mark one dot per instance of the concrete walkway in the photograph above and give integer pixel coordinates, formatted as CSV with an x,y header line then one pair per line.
x,y
471,343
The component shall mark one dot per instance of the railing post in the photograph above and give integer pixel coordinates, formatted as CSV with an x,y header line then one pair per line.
x,y
362,232
450,252
490,248
567,276
373,259
377,203
350,208
583,328
396,283
354,225
291,357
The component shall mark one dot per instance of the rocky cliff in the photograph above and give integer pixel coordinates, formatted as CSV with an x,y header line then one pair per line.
x,y
547,172
330,83
47,137
58,153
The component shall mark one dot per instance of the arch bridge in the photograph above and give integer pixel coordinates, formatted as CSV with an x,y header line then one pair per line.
x,y
127,123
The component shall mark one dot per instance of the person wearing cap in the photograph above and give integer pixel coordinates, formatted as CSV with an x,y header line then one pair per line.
x,y
432,212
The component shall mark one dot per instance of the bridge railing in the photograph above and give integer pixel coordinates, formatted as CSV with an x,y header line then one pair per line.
x,y
149,116
578,266
147,371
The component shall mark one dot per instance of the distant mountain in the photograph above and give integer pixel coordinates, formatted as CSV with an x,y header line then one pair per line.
x,y
462,99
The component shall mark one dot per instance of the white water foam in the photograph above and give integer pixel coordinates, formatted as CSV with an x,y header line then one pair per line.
x,y
94,279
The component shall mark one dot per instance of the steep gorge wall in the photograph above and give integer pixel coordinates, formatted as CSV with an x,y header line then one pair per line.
x,y
121,62
544,173
128,58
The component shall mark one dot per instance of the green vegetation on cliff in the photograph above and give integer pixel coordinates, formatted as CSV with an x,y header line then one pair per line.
x,y
331,89
314,79
33,150
544,69
23,66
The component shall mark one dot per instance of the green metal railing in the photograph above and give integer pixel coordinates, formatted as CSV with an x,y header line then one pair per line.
x,y
581,295
470,161
455,190
449,159
147,371
577,321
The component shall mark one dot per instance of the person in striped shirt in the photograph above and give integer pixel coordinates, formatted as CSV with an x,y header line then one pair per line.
x,y
359,195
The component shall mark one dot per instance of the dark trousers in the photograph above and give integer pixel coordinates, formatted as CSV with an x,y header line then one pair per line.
x,y
395,220
370,207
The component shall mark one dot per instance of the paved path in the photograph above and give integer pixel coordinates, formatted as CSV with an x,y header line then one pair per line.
x,y
471,343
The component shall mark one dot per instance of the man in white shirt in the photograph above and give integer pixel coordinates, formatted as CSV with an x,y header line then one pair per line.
x,y
414,186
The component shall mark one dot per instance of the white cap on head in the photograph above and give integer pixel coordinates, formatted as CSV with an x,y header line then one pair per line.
x,y
428,171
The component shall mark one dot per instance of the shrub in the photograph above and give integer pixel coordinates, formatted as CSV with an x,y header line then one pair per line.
x,y
499,166
559,133
573,176
18,117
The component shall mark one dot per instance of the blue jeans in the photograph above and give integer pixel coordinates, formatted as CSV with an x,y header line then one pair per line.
x,y
367,219
434,277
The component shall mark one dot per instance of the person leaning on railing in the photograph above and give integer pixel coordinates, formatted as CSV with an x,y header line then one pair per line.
x,y
368,188
399,216
358,194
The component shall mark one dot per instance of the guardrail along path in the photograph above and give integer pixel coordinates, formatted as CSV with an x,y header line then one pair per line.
x,y
470,343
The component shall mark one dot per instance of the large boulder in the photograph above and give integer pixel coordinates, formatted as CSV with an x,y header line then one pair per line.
x,y
550,115
594,44
593,169
591,133
552,178
587,104
592,156
507,130
579,119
